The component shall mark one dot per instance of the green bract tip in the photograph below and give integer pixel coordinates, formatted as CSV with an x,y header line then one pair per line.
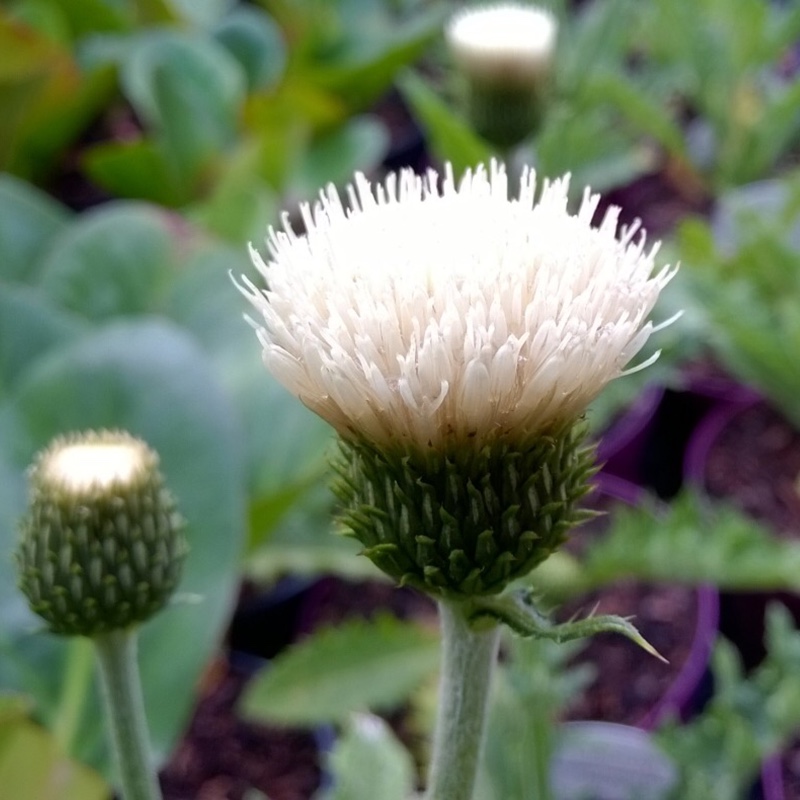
x,y
102,544
466,524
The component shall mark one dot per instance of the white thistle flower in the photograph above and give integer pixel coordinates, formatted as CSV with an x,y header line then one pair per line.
x,y
442,318
503,42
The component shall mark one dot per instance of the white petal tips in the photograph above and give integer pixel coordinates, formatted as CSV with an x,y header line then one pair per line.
x,y
430,313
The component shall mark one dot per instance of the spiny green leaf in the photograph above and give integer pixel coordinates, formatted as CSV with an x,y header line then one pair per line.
x,y
747,719
520,614
692,543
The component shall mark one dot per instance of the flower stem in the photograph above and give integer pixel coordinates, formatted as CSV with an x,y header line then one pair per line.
x,y
122,694
78,673
468,658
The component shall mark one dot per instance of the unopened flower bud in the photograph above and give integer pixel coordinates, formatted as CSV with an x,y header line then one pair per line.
x,y
102,545
505,52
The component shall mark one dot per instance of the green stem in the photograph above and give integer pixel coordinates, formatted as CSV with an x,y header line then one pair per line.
x,y
122,693
468,658
75,689
541,729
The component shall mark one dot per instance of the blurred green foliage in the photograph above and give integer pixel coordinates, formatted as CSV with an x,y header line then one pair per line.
x,y
214,107
744,268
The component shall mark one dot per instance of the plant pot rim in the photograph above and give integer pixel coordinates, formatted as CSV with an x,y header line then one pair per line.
x,y
707,433
631,423
772,778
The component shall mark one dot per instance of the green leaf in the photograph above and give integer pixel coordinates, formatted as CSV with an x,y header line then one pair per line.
x,y
34,72
292,532
693,543
368,740
750,264
776,131
517,610
30,324
286,444
29,220
190,92
44,17
113,260
152,379
449,136
95,16
331,555
45,99
781,30
137,169
358,145
600,152
241,204
747,719
373,47
32,766
56,126
18,665
356,666
590,40
155,12
531,687
251,36
646,114
201,13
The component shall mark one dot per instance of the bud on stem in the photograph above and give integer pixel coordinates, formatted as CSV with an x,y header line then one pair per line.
x,y
102,544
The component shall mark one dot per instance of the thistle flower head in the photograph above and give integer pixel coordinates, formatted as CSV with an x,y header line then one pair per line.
x,y
102,544
432,316
503,42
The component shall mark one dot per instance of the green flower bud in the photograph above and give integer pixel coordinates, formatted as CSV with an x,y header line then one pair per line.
x,y
504,52
468,524
102,545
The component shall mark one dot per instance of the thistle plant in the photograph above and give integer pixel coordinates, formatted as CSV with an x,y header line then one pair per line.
x,y
100,552
504,53
454,337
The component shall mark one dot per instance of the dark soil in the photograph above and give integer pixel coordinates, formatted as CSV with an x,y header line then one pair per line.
x,y
755,462
628,681
660,200
221,756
